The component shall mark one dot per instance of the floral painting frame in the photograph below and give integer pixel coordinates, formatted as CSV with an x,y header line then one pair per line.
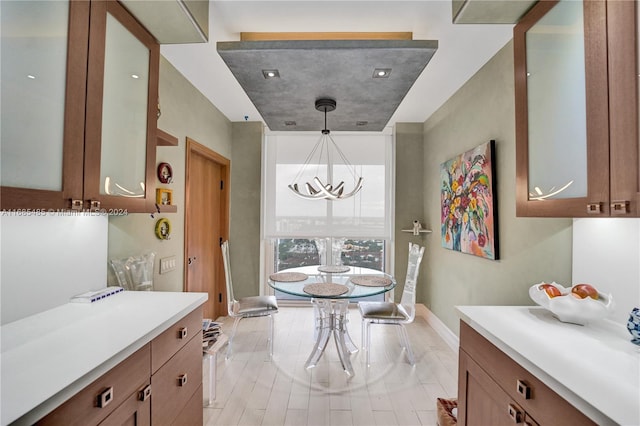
x,y
468,203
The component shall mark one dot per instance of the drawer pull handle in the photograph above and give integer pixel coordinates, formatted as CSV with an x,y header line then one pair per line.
x,y
76,204
145,393
594,208
182,380
523,389
514,413
619,207
182,333
105,397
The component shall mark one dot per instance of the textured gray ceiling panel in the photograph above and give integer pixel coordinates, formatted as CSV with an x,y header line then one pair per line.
x,y
338,69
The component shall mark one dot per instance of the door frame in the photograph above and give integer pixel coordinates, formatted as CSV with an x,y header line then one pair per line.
x,y
194,147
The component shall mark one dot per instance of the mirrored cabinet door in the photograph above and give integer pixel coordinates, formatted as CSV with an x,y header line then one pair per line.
x,y
556,104
121,105
44,55
561,110
124,129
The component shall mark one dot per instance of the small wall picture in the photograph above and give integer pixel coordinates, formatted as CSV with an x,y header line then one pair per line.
x,y
164,197
469,221
165,173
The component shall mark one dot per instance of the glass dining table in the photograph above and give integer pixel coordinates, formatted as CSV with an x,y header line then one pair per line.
x,y
330,288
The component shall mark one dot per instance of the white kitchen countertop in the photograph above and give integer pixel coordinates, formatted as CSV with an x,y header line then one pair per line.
x,y
48,357
595,367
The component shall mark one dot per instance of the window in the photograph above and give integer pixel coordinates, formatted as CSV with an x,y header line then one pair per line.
x,y
353,232
365,215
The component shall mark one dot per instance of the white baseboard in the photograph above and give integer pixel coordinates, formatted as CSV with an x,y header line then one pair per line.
x,y
443,331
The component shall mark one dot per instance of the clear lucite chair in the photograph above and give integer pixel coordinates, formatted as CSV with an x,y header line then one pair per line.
x,y
246,307
391,313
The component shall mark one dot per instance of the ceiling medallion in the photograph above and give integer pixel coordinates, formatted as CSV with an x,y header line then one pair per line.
x,y
325,147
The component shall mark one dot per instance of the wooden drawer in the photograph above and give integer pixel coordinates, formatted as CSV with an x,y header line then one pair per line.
x,y
135,411
170,392
192,413
123,381
484,402
174,338
537,399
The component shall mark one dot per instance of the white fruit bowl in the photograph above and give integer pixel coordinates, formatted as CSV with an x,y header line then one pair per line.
x,y
569,308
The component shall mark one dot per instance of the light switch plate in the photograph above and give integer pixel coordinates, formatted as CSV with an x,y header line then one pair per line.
x,y
167,264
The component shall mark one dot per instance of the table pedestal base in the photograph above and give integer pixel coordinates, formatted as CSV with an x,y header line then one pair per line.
x,y
331,318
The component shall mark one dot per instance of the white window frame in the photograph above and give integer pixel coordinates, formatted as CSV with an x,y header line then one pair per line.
x,y
267,258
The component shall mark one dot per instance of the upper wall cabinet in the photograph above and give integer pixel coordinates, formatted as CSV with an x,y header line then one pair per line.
x,y
122,105
172,21
577,110
623,30
44,77
79,90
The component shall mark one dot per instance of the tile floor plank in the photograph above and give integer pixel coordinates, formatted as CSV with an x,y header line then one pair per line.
x,y
252,389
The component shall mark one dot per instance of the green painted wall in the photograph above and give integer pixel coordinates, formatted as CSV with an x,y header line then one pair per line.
x,y
531,250
409,202
244,236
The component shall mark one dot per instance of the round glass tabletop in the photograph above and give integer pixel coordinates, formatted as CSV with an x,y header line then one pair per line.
x,y
316,279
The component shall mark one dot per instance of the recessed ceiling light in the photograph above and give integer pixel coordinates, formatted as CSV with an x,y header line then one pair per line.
x,y
271,74
135,76
290,123
31,76
361,123
381,72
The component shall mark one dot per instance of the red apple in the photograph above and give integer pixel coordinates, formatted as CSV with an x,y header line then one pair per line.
x,y
552,291
585,290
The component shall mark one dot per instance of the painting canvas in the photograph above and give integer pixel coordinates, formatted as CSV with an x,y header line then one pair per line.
x,y
469,221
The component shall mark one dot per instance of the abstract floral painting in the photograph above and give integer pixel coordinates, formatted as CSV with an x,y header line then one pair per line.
x,y
469,221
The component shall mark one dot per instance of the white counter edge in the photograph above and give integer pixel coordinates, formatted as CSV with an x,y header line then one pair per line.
x,y
582,405
63,395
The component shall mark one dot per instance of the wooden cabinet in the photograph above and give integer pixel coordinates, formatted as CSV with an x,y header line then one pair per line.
x,y
176,366
192,413
103,156
485,403
122,103
58,129
135,411
175,338
576,94
494,389
124,385
176,382
624,71
160,384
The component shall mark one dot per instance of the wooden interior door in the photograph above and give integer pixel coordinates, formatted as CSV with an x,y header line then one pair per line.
x,y
206,224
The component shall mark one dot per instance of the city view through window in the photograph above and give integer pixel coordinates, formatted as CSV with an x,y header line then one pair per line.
x,y
294,252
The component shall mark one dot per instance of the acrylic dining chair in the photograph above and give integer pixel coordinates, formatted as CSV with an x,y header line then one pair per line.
x,y
391,313
246,307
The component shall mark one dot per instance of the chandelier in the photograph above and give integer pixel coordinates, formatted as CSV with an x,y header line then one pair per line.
x,y
326,147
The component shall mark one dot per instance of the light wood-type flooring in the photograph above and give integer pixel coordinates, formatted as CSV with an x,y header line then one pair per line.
x,y
252,389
